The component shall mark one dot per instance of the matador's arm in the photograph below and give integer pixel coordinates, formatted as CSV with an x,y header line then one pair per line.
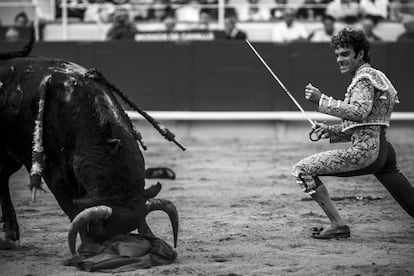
x,y
355,107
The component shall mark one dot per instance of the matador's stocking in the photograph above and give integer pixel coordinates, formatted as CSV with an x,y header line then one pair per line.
x,y
400,188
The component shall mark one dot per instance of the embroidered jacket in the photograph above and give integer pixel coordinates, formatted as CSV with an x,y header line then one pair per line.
x,y
369,100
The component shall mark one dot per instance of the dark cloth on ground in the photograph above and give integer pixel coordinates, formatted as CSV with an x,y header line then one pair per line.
x,y
126,253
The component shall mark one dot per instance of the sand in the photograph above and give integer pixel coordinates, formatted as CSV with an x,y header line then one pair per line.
x,y
241,213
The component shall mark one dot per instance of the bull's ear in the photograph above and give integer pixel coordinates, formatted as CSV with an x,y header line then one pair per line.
x,y
6,75
116,143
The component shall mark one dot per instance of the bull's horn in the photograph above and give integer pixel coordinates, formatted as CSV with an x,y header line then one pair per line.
x,y
153,191
90,214
168,207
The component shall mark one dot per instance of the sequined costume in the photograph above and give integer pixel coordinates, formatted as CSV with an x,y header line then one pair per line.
x,y
365,112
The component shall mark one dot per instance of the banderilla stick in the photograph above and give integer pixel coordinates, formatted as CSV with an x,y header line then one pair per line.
x,y
313,124
165,132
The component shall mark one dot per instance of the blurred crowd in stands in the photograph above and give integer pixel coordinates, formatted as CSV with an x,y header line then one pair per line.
x,y
288,16
243,10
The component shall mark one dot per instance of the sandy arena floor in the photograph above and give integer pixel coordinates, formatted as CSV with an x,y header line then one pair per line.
x,y
241,213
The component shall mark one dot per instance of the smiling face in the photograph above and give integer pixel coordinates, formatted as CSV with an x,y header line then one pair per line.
x,y
351,48
348,60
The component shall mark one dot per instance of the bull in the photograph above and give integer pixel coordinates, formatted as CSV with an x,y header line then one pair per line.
x,y
64,123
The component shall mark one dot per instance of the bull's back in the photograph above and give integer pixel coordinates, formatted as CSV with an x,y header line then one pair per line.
x,y
19,96
76,108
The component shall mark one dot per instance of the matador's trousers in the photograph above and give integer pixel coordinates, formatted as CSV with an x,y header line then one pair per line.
x,y
370,153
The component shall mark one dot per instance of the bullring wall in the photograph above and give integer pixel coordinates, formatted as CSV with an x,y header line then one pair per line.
x,y
225,75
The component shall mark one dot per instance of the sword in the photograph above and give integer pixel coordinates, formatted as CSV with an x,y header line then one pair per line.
x,y
313,124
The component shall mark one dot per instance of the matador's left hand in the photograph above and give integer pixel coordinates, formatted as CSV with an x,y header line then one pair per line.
x,y
312,94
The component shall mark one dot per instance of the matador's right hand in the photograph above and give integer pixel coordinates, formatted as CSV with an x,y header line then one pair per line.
x,y
312,94
319,131
322,131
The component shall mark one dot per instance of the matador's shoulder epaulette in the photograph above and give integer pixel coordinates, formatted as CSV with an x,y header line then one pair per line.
x,y
377,78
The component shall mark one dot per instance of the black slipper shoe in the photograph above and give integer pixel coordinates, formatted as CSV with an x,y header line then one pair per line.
x,y
333,232
159,172
316,230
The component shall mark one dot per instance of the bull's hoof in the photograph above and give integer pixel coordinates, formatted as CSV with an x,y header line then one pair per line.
x,y
8,244
159,172
11,235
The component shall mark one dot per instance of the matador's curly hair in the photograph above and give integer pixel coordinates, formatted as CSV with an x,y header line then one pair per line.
x,y
353,38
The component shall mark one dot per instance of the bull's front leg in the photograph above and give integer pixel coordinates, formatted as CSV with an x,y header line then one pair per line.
x,y
57,178
8,166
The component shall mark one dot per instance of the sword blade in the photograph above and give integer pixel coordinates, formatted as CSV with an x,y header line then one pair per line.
x,y
281,84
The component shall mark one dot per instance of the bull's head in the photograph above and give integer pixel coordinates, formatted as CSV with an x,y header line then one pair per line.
x,y
103,222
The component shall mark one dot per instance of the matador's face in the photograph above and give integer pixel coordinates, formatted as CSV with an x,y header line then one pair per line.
x,y
348,60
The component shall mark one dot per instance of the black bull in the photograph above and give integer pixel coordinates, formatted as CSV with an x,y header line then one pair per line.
x,y
91,161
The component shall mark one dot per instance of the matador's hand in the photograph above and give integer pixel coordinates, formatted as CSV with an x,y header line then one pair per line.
x,y
312,94
322,131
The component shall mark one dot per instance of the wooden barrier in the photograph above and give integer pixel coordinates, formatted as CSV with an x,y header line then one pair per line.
x,y
225,75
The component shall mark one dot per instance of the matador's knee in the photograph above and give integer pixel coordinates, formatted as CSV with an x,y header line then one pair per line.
x,y
308,183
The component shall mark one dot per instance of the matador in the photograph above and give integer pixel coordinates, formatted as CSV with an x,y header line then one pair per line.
x,y
365,113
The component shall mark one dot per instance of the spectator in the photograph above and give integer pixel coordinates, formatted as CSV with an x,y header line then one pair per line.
x,y
302,12
324,34
230,29
253,11
320,10
398,7
211,10
276,13
122,28
15,32
289,30
188,12
21,20
316,9
344,10
229,10
160,10
204,21
368,25
170,23
141,9
99,11
408,34
393,8
376,9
